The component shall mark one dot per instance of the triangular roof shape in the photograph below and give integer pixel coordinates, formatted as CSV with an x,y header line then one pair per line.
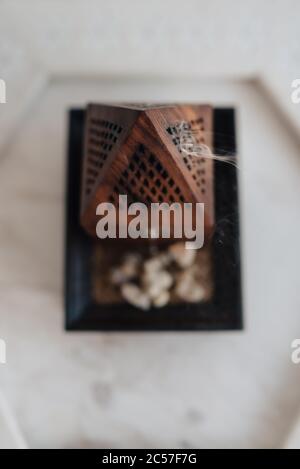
x,y
135,150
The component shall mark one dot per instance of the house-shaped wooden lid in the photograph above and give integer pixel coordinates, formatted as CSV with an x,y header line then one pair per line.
x,y
136,150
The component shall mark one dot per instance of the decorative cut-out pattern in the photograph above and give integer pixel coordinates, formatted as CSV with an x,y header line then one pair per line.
x,y
102,136
147,180
195,165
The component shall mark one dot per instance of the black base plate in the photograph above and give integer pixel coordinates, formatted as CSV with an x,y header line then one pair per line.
x,y
224,311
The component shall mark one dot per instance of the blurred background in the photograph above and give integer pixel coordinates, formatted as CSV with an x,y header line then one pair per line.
x,y
180,390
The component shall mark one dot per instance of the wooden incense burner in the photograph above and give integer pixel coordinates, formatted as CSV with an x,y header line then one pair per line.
x,y
136,150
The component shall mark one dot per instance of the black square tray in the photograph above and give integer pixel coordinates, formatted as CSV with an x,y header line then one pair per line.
x,y
223,312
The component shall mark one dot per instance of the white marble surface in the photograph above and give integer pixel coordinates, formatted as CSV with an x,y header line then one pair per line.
x,y
293,438
157,390
54,38
121,390
10,434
